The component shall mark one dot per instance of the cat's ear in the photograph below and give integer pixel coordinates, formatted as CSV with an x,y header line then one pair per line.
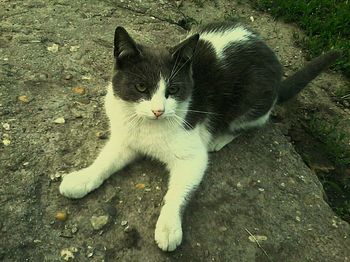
x,y
125,48
185,49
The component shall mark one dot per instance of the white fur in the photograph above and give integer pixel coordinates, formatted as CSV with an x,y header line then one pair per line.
x,y
242,122
158,99
183,151
220,39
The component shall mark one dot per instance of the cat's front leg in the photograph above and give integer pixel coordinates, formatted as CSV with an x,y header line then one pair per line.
x,y
185,176
113,157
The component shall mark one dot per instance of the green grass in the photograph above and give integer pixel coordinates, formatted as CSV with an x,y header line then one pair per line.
x,y
334,139
325,22
336,183
199,3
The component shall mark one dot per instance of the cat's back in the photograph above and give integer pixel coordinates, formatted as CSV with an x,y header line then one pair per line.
x,y
222,35
231,47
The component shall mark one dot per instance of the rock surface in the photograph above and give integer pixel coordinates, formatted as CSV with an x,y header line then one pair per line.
x,y
258,202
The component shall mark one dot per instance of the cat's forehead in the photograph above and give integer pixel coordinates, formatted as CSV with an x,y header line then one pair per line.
x,y
154,61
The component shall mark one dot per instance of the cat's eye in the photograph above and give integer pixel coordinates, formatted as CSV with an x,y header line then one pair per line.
x,y
173,89
141,87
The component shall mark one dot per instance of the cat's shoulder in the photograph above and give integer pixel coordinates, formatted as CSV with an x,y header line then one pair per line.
x,y
221,35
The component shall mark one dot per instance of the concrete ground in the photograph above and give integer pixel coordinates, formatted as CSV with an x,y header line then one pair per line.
x,y
258,202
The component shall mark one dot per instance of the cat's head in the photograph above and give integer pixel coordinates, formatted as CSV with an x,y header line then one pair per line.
x,y
156,82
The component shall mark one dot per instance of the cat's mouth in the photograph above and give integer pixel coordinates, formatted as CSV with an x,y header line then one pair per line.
x,y
159,118
154,118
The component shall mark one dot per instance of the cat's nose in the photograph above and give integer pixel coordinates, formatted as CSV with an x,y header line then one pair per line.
x,y
158,113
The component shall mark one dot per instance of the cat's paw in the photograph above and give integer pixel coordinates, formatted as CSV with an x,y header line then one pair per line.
x,y
168,233
79,183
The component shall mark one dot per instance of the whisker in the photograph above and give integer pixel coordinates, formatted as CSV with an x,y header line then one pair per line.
x,y
183,121
128,118
174,68
177,83
132,123
180,68
180,124
172,124
197,111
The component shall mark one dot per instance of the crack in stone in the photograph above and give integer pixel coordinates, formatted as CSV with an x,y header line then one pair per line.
x,y
168,20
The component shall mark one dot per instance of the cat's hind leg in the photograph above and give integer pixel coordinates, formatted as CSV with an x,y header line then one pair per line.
x,y
220,141
113,157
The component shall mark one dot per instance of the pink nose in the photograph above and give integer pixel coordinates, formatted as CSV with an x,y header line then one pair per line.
x,y
158,113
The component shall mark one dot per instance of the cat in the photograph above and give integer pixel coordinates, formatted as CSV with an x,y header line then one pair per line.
x,y
177,104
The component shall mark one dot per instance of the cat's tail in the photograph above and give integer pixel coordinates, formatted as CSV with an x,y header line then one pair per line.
x,y
296,82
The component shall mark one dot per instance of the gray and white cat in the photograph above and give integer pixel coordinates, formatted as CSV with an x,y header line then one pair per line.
x,y
177,105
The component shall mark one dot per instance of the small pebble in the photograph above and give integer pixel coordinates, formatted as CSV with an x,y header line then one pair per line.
x,y
140,186
74,48
53,48
79,90
90,251
98,222
255,238
68,253
127,229
6,126
102,135
55,177
43,76
68,76
222,228
178,3
334,223
23,99
59,120
61,216
86,77
6,142
74,229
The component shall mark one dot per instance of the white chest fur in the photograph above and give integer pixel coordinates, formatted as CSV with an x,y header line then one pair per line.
x,y
160,139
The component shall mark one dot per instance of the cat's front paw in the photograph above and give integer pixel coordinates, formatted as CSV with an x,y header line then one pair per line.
x,y
168,233
79,183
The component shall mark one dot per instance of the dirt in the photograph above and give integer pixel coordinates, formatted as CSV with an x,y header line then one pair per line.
x,y
258,185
